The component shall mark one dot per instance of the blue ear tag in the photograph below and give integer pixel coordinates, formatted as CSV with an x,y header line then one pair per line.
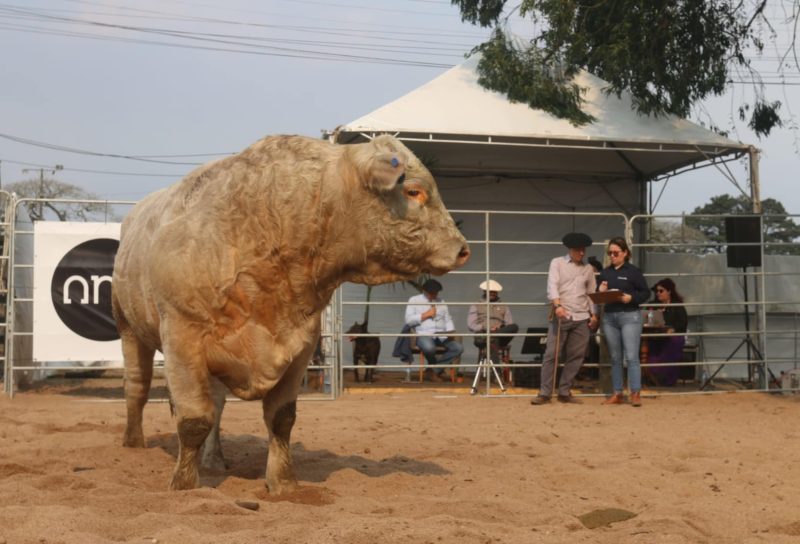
x,y
395,162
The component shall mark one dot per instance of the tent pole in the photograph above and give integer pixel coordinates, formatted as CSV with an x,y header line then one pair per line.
x,y
755,180
760,287
641,234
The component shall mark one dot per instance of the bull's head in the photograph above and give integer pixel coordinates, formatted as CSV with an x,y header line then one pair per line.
x,y
407,230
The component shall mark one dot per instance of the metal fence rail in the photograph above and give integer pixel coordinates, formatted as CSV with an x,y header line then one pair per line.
x,y
490,235
6,205
750,332
20,282
514,248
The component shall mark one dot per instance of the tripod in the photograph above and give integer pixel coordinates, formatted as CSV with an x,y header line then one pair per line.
x,y
486,367
747,342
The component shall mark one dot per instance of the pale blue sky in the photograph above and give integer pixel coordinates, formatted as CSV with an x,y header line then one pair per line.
x,y
70,79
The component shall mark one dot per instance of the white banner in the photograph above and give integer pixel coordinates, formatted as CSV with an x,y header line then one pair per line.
x,y
72,268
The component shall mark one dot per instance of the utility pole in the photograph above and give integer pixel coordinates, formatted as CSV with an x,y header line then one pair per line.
x,y
40,194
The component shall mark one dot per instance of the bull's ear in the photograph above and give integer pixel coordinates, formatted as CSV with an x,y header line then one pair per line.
x,y
381,163
386,170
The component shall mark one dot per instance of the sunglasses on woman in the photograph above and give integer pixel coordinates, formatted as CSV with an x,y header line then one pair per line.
x,y
614,253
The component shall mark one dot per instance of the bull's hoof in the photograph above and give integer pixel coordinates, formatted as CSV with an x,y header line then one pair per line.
x,y
215,463
282,487
180,483
133,439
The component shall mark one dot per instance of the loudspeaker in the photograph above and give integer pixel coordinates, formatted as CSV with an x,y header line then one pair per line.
x,y
528,376
535,345
743,230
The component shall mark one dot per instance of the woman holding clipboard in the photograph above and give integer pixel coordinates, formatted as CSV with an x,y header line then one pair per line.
x,y
622,321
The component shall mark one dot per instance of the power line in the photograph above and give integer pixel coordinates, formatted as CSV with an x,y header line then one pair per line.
x,y
88,171
428,50
261,50
468,32
67,149
372,31
768,83
360,7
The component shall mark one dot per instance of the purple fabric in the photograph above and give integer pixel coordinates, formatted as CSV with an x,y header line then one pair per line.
x,y
665,350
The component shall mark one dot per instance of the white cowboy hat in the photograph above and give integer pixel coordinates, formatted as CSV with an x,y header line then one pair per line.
x,y
491,285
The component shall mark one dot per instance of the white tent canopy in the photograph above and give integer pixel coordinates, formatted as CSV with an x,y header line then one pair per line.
x,y
490,155
470,131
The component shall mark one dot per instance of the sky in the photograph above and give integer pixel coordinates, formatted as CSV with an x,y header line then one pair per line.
x,y
127,96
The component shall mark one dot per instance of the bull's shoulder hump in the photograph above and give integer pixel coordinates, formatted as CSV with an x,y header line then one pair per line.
x,y
288,147
216,178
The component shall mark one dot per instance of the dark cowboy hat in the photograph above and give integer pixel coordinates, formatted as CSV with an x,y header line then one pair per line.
x,y
576,239
432,286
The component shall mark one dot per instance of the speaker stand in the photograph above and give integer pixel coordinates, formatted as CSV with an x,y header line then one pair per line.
x,y
747,343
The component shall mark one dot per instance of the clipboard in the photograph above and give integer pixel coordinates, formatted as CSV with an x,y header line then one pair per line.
x,y
606,297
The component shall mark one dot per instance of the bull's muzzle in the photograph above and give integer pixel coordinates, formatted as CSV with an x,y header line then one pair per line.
x,y
463,256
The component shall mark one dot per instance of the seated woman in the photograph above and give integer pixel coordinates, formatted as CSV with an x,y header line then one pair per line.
x,y
668,349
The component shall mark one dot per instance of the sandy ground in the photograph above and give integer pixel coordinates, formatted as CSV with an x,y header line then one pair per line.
x,y
419,466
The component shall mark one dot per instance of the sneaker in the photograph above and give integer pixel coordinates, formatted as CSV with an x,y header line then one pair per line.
x,y
539,400
569,399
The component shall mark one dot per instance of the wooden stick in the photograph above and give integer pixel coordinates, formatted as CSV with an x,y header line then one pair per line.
x,y
555,360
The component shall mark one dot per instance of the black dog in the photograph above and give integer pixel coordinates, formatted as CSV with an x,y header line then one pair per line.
x,y
365,350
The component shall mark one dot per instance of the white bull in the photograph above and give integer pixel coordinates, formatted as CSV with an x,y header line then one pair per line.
x,y
227,272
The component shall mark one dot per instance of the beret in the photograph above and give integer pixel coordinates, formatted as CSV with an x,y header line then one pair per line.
x,y
576,239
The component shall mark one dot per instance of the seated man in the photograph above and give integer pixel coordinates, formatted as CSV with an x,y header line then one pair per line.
x,y
497,316
429,316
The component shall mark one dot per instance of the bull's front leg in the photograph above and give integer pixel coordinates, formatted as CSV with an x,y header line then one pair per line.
x,y
280,407
280,471
192,432
190,389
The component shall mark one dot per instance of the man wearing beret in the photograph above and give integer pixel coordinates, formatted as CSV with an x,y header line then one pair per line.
x,y
569,282
431,319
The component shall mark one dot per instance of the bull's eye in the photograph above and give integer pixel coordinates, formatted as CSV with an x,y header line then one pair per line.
x,y
401,179
414,192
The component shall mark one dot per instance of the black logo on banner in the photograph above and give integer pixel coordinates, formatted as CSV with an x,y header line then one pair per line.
x,y
81,289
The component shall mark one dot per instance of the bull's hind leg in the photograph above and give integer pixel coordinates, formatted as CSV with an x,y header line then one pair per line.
x,y
190,390
138,376
279,415
212,448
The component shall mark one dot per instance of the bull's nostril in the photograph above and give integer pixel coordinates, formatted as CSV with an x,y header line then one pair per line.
x,y
464,253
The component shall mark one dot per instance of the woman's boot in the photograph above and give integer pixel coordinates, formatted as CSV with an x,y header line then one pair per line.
x,y
616,398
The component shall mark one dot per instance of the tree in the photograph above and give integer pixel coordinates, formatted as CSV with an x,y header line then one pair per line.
x,y
778,229
676,236
48,189
667,55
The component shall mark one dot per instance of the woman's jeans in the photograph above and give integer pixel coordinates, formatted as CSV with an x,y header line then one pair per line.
x,y
623,332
